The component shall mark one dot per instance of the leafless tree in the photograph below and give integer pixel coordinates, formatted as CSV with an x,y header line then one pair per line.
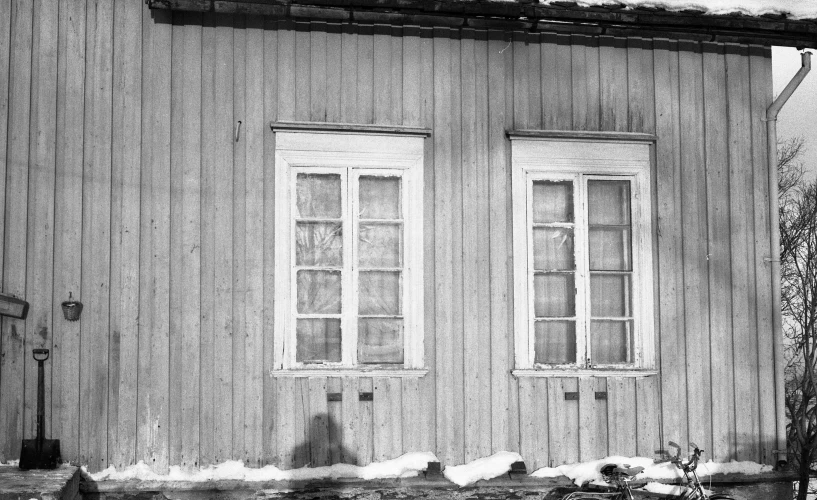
x,y
798,262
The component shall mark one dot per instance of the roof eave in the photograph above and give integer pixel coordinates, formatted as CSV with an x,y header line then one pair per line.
x,y
528,16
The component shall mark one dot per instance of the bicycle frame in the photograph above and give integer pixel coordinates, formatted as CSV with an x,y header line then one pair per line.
x,y
689,467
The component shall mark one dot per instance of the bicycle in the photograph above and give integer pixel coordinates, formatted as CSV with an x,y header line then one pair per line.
x,y
695,491
619,476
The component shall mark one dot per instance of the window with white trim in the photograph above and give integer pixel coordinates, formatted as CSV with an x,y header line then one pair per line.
x,y
348,251
583,255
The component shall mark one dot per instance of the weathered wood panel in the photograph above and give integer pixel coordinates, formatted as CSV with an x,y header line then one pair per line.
x,y
182,242
695,263
40,245
68,224
125,226
718,256
672,357
14,356
760,73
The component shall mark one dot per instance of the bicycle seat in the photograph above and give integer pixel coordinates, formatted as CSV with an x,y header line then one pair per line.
x,y
629,471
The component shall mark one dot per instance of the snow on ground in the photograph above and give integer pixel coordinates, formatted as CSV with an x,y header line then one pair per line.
x,y
408,465
665,489
796,9
589,472
482,468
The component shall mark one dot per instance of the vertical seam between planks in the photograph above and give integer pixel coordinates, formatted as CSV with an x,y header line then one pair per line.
x,y
702,124
680,165
111,237
732,451
657,313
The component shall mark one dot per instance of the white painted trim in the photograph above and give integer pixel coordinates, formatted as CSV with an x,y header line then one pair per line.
x,y
350,155
567,372
349,372
554,158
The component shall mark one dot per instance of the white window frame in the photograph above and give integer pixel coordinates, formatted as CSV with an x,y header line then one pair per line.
x,y
356,154
579,160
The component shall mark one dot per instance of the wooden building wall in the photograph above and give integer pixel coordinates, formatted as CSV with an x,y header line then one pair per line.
x,y
121,182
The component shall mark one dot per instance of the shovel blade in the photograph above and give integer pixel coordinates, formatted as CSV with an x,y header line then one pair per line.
x,y
46,456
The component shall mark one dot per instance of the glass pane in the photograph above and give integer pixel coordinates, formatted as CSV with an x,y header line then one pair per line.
x,y
379,293
379,197
609,341
317,340
380,340
554,295
552,201
610,249
318,244
555,342
553,249
610,295
318,195
380,245
608,202
319,292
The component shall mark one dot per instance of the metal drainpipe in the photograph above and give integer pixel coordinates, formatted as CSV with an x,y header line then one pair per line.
x,y
777,316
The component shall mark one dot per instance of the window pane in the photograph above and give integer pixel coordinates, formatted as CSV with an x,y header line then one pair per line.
x,y
610,295
610,341
318,195
318,340
319,292
552,201
610,249
380,245
553,249
379,197
379,293
555,342
380,340
554,295
608,202
318,244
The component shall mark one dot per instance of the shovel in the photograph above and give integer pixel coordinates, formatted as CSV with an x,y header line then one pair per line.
x,y
40,453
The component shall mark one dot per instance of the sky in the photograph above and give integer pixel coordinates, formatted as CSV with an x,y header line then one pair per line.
x,y
799,115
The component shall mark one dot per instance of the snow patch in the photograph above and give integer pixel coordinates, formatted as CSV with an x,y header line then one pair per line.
x,y
795,9
408,465
483,468
11,463
665,489
590,472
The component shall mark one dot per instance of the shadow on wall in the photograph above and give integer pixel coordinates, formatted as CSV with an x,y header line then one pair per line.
x,y
322,445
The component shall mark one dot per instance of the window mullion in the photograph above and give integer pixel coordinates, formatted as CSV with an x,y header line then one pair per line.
x,y
530,270
293,282
583,353
350,300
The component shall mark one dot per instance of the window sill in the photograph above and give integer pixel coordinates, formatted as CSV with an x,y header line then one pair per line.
x,y
636,373
350,372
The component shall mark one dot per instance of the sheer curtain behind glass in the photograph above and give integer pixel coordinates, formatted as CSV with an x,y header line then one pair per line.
x,y
319,267
611,271
554,265
380,264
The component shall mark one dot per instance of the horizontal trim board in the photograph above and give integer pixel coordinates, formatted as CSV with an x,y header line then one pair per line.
x,y
584,373
584,135
525,16
349,128
348,373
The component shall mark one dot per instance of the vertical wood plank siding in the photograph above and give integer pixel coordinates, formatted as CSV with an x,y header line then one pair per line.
x,y
121,180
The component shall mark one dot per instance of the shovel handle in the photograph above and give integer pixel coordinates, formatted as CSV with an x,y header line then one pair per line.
x,y
40,354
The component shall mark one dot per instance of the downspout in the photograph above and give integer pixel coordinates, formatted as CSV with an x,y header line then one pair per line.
x,y
777,316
